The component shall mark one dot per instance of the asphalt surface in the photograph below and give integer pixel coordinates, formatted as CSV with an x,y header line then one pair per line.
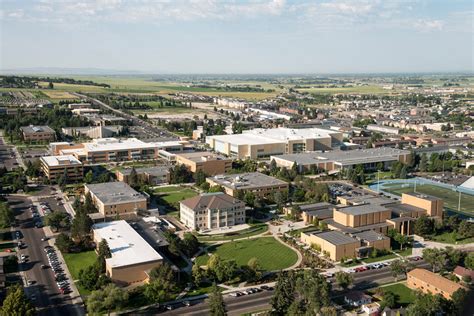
x,y
261,301
44,292
7,156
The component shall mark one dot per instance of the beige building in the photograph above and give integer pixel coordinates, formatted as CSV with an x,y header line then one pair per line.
x,y
429,282
361,215
432,205
260,143
211,211
334,244
115,198
115,150
132,257
55,167
255,182
149,175
210,163
37,133
337,245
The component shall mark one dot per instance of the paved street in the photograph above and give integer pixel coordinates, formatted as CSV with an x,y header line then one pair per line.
x,y
43,292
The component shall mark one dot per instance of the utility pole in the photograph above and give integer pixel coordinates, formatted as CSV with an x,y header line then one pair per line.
x,y
459,202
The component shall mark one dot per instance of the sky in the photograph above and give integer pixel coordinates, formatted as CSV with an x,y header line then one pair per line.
x,y
230,36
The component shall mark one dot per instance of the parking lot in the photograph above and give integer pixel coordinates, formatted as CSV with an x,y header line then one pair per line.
x,y
7,156
32,153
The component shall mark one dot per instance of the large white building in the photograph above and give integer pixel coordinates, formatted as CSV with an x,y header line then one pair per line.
x,y
132,257
211,211
260,143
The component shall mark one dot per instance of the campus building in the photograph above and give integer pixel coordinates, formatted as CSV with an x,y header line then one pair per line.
x,y
132,257
260,143
212,211
338,160
93,131
115,198
210,163
115,150
429,282
54,167
255,182
311,212
150,175
33,133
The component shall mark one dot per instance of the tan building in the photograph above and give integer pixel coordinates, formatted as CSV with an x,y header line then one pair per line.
x,y
38,133
429,282
361,215
258,183
432,205
211,211
115,150
261,143
210,163
149,175
55,167
132,257
334,244
310,212
115,198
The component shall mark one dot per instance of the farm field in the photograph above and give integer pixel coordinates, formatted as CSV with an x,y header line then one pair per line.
x,y
357,89
271,254
58,94
450,197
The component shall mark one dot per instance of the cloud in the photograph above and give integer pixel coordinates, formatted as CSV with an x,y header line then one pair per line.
x,y
428,25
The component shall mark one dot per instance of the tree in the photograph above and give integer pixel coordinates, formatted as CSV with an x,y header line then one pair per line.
x,y
89,177
163,273
430,305
50,85
6,215
389,299
81,226
216,188
423,163
398,267
404,172
16,303
435,257
88,277
104,250
157,291
200,177
424,226
283,296
466,229
197,274
459,299
133,178
109,298
89,206
190,244
343,279
58,220
216,302
469,261
64,243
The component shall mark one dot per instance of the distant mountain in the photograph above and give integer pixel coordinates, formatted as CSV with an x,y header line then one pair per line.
x,y
68,71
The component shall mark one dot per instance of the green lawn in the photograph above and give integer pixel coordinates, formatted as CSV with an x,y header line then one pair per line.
x,y
381,258
405,252
271,254
405,296
77,261
449,196
175,194
452,238
251,231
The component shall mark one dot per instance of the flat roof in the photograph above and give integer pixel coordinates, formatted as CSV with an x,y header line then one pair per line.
x,y
362,209
107,144
55,161
247,180
126,245
422,196
31,129
370,236
335,237
115,193
345,157
400,208
202,156
274,135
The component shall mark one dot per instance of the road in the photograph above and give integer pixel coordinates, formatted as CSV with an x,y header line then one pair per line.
x,y
44,292
160,132
260,301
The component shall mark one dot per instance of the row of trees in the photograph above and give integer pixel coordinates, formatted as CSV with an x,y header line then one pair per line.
x,y
6,215
428,227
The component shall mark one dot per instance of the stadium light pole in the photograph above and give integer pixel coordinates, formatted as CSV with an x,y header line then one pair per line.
x,y
459,202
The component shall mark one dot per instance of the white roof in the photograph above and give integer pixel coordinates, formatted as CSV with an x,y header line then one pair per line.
x,y
469,183
126,245
106,144
53,161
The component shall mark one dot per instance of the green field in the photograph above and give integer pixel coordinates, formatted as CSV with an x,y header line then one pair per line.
x,y
77,261
271,254
355,89
405,296
452,238
251,231
450,197
175,194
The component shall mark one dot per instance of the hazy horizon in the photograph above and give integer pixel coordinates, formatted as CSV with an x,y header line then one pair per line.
x,y
238,37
